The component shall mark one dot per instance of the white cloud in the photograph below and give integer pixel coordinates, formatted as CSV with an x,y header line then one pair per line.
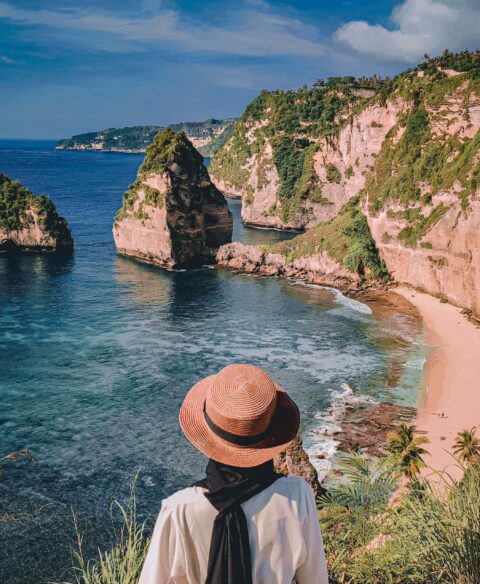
x,y
419,26
252,30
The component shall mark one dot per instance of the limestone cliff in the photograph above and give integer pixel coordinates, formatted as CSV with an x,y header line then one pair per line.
x,y
422,197
409,148
296,157
29,223
173,215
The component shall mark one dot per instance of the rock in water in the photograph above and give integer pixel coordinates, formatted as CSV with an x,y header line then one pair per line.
x,y
29,223
172,216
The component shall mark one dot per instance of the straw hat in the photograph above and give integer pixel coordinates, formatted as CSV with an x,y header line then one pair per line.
x,y
239,416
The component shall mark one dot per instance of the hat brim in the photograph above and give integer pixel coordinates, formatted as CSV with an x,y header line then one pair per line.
x,y
285,424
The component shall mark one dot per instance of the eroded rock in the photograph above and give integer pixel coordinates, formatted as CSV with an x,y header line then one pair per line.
x,y
172,216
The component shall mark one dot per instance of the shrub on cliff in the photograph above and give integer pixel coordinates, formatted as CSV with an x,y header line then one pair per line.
x,y
346,238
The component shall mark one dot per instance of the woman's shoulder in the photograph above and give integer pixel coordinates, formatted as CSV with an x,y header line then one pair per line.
x,y
294,484
184,497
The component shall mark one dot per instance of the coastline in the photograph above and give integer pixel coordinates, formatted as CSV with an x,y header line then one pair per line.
x,y
449,401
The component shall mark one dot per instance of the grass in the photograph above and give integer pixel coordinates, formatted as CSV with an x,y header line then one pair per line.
x,y
123,562
430,535
346,238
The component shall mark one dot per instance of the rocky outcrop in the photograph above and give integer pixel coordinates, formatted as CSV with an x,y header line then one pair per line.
x,y
172,216
364,427
294,461
319,269
29,223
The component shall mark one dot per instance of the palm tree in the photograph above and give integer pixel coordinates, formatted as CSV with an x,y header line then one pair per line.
x,y
467,446
406,450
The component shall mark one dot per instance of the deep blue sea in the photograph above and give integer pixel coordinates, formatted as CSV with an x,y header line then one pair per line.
x,y
97,352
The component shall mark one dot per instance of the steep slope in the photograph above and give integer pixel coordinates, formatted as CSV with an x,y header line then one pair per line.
x,y
422,197
29,223
206,136
294,157
172,215
409,149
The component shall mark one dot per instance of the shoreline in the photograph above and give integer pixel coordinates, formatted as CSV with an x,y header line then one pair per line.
x,y
449,401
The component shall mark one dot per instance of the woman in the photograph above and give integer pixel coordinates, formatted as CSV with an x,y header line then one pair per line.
x,y
243,523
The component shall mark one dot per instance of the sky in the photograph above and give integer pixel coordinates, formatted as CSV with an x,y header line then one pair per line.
x,y
72,66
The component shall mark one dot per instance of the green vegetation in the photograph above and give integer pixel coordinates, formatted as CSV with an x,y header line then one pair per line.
x,y
291,121
411,234
423,158
333,174
346,238
138,138
431,534
467,446
407,450
169,147
123,563
19,207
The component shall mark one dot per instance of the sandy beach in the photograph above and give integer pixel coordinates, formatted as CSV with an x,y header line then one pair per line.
x,y
451,394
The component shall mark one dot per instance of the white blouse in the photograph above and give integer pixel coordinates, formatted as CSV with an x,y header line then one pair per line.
x,y
285,541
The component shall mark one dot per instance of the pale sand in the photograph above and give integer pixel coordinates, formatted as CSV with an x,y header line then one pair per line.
x,y
451,378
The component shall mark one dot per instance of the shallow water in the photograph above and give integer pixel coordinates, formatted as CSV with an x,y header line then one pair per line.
x,y
97,352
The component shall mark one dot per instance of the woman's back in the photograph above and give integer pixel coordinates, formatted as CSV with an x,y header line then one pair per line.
x,y
284,537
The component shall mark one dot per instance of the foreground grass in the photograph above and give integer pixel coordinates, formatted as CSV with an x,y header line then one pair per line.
x,y
122,564
430,535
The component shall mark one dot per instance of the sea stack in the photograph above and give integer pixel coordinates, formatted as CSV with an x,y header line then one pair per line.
x,y
172,216
29,223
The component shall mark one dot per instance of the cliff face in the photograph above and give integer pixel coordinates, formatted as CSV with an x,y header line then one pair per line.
x,y
206,136
29,223
172,215
409,148
293,156
422,197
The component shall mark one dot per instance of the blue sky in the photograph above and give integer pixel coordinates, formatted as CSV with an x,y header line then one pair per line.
x,y
70,66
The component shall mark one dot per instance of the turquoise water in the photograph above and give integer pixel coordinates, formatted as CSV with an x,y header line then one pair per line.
x,y
97,352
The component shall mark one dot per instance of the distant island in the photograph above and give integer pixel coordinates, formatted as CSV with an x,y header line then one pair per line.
x,y
207,137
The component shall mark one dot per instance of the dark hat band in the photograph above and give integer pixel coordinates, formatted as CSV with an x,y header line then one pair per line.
x,y
235,438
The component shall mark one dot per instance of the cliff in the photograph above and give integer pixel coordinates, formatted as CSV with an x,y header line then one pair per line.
x,y
422,196
293,156
206,136
407,147
173,215
29,223
339,253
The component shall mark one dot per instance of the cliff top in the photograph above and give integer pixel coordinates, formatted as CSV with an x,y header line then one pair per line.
x,y
169,148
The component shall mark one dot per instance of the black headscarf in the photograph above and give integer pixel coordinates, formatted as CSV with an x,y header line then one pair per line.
x,y
229,560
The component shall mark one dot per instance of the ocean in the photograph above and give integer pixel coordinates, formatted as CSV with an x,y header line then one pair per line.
x,y
97,352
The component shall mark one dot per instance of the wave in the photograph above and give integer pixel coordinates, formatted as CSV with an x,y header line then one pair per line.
x,y
319,442
345,301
